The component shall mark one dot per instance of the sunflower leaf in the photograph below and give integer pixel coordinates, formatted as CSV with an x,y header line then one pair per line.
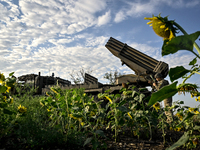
x,y
177,72
183,42
193,62
3,88
163,93
180,142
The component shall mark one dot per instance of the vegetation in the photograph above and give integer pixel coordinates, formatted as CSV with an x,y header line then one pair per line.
x,y
112,76
72,119
77,77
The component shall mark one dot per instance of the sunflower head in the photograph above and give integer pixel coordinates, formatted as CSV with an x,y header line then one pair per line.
x,y
195,141
162,27
188,87
156,106
180,116
22,109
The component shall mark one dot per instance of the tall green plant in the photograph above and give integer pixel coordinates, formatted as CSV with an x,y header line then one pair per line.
x,y
167,29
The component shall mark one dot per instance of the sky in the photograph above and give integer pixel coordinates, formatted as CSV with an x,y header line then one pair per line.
x,y
63,36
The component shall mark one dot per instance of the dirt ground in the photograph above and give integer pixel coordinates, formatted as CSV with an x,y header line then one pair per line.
x,y
125,141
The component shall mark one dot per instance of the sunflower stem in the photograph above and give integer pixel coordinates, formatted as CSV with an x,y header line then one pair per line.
x,y
188,77
185,33
195,54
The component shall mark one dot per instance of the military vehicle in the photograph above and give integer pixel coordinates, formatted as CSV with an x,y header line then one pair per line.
x,y
144,66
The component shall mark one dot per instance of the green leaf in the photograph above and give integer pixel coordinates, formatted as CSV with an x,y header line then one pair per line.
x,y
122,108
100,132
193,62
122,103
117,96
3,89
6,111
187,116
163,93
133,93
3,104
77,115
183,42
11,74
180,142
196,127
10,82
75,108
87,141
141,97
177,72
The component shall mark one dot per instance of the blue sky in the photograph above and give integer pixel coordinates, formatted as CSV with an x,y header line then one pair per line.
x,y
62,36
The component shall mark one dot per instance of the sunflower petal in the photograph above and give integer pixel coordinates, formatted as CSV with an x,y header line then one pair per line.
x,y
148,18
162,26
150,22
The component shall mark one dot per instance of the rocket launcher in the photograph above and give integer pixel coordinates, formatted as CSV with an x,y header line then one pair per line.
x,y
140,63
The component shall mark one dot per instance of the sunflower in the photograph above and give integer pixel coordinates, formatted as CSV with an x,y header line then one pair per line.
x,y
22,109
180,116
197,99
162,27
195,141
188,87
156,106
191,109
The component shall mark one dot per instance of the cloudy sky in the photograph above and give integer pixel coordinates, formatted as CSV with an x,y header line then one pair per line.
x,y
63,36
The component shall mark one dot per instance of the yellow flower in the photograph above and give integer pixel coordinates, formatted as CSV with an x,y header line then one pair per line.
x,y
184,88
191,109
171,128
11,100
195,141
162,27
82,123
92,113
178,129
180,116
196,112
129,115
8,89
22,109
108,99
75,118
199,98
4,98
156,106
135,133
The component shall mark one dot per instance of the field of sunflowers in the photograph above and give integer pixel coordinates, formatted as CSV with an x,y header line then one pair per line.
x,y
71,119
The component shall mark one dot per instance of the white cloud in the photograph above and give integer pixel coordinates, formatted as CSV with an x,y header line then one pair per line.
x,y
139,8
120,16
90,6
60,35
102,20
95,41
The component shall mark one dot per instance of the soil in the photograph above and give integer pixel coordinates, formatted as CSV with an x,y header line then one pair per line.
x,y
125,141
